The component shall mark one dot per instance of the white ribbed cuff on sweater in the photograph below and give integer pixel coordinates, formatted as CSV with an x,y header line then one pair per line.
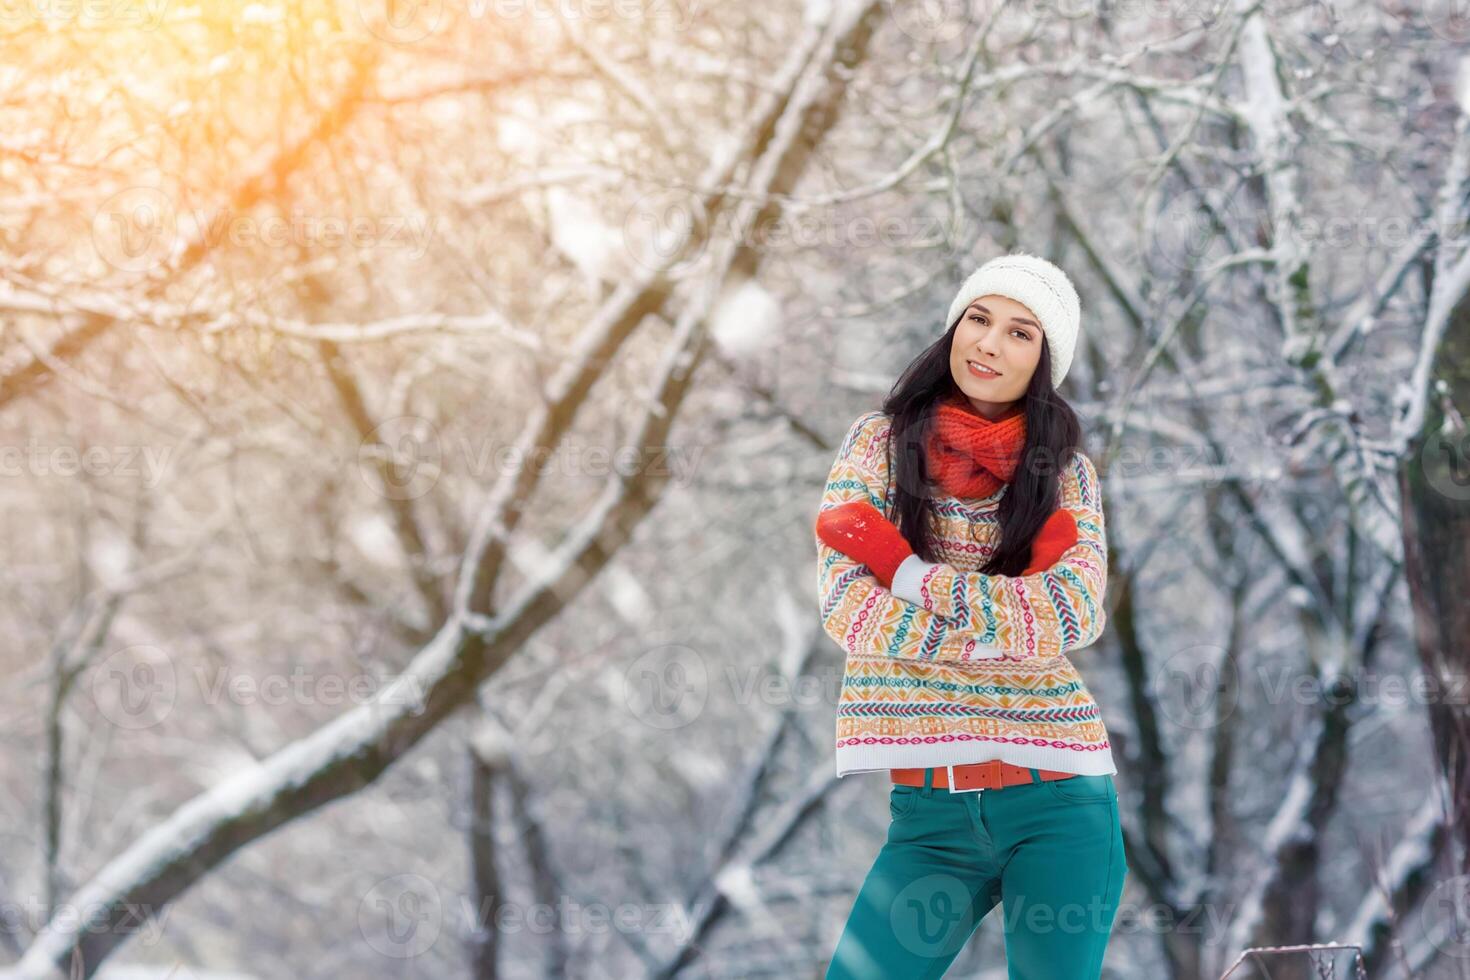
x,y
909,577
907,582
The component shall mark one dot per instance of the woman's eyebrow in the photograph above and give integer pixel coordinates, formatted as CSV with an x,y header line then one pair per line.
x,y
1014,319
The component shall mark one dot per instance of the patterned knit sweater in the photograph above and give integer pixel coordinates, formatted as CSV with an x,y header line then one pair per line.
x,y
953,666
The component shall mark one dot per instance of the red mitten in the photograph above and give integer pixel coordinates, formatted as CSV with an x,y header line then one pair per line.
x,y
860,532
1057,535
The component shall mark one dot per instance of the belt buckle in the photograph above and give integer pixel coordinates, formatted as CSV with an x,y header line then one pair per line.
x,y
972,789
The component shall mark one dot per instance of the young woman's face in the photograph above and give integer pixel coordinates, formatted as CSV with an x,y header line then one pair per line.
x,y
1002,335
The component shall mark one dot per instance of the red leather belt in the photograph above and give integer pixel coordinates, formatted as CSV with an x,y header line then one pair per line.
x,y
975,776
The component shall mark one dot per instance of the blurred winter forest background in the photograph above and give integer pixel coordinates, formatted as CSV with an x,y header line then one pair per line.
x,y
414,419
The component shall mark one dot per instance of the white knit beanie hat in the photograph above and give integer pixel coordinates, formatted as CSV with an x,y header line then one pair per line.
x,y
1042,288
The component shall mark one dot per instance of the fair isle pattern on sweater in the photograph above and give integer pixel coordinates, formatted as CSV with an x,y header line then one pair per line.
x,y
975,667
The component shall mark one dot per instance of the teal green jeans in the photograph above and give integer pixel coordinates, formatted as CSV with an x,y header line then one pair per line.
x,y
1049,852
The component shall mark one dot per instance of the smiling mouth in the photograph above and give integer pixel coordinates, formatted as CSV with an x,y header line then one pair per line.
x,y
980,371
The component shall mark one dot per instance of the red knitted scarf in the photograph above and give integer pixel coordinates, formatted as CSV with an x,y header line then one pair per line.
x,y
970,455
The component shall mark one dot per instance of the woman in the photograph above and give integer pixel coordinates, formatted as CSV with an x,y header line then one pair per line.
x,y
962,556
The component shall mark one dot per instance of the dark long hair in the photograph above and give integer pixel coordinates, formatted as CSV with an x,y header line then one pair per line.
x,y
1052,434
